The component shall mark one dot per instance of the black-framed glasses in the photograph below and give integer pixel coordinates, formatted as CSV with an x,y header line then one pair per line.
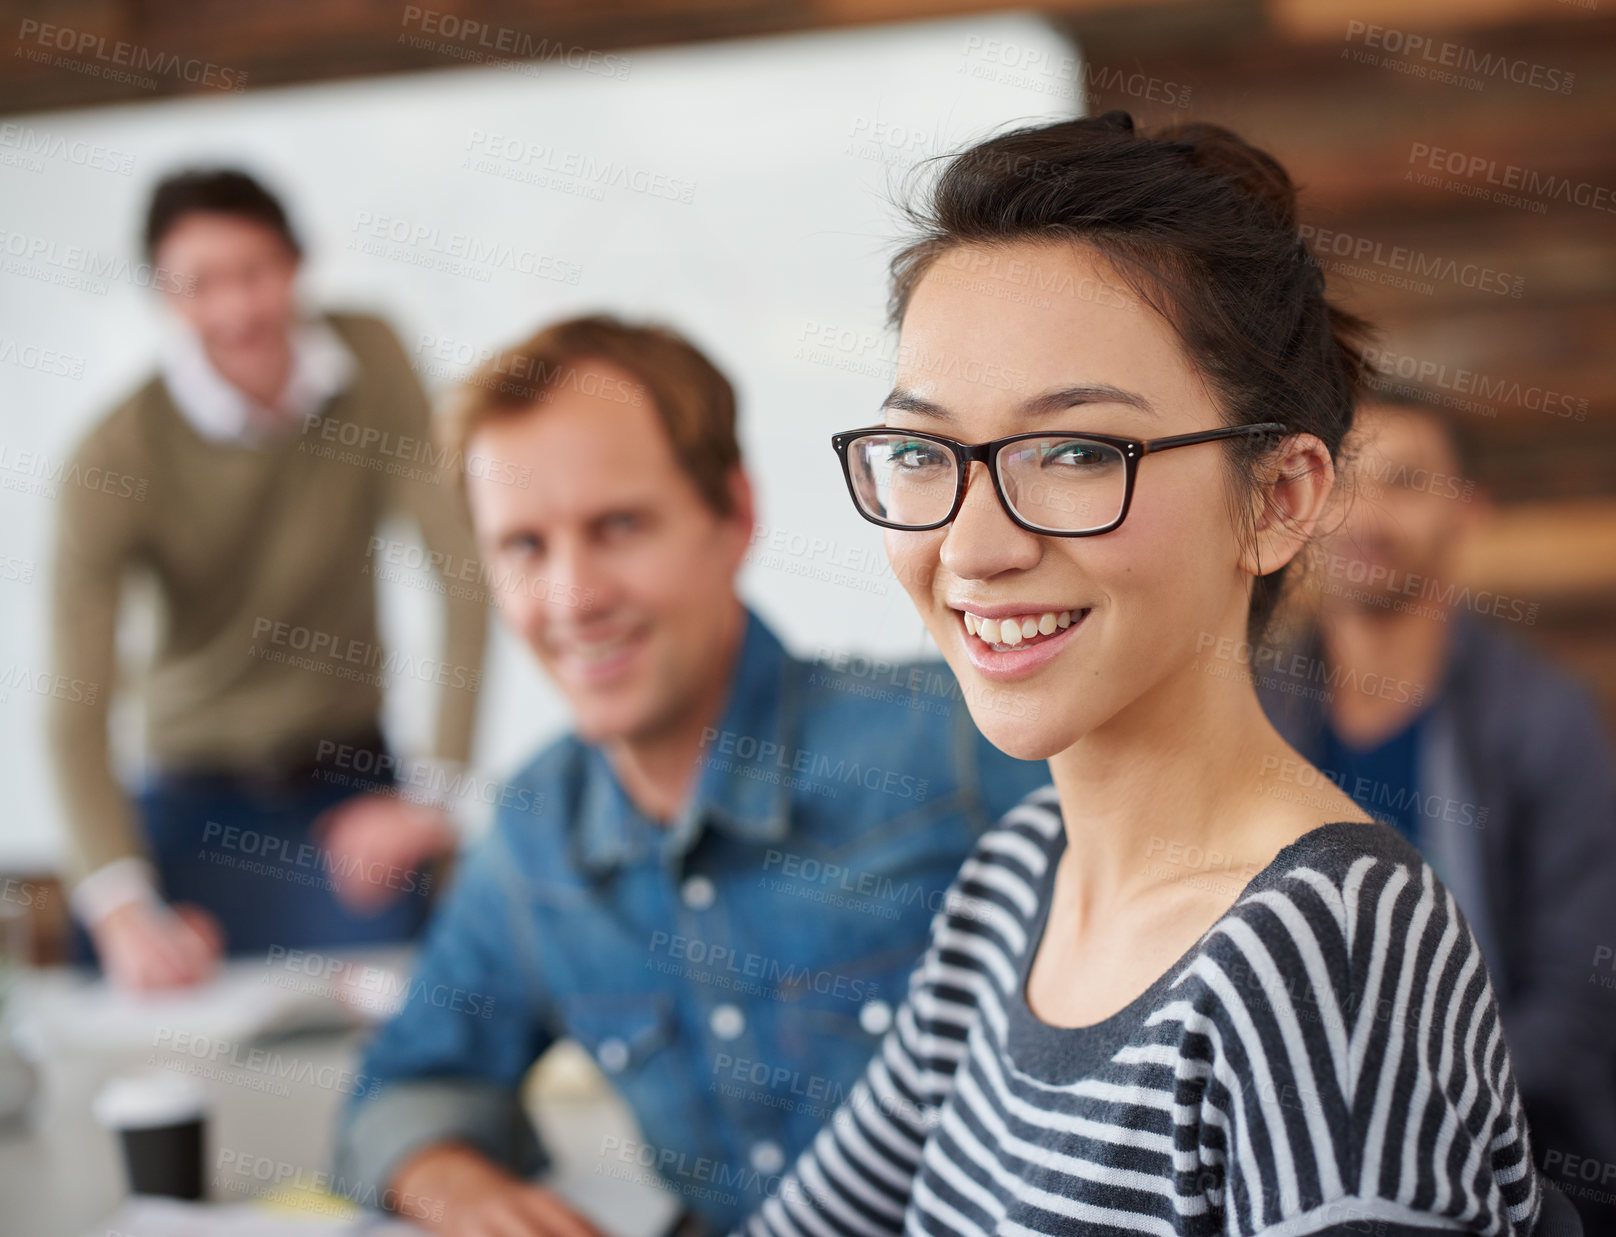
x,y
1060,485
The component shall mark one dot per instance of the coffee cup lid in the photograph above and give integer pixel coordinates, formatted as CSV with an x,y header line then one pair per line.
x,y
139,1101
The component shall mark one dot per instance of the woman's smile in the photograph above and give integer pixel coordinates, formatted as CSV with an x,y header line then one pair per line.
x,y
1010,642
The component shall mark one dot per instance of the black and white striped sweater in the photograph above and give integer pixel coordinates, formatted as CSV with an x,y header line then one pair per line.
x,y
1328,1058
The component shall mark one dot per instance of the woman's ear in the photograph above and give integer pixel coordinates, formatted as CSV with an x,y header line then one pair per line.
x,y
1297,482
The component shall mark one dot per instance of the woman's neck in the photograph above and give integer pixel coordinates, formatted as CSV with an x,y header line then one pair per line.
x,y
1189,783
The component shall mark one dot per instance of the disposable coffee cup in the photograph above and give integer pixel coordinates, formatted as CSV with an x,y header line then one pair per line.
x,y
160,1118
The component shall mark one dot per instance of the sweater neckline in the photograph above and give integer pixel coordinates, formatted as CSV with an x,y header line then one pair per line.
x,y
1059,1055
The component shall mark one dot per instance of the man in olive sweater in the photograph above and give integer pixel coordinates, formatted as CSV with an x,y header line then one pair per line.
x,y
262,459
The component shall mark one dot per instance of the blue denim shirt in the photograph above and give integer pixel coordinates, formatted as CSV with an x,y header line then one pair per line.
x,y
732,971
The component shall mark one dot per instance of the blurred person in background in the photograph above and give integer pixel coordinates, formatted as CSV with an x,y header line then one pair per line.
x,y
718,882
259,460
1491,760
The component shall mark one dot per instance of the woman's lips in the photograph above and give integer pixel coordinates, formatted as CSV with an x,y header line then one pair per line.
x,y
1017,645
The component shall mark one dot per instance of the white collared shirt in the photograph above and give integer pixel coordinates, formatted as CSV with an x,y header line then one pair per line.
x,y
322,365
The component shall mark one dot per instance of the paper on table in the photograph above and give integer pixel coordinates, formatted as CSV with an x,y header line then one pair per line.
x,y
246,999
165,1217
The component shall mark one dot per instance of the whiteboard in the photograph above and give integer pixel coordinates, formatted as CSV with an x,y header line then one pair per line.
x,y
741,191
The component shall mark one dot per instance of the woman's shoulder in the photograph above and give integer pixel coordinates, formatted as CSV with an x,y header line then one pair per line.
x,y
1361,883
1356,913
1347,948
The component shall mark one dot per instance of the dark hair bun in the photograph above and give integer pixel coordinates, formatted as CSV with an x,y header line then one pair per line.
x,y
1253,174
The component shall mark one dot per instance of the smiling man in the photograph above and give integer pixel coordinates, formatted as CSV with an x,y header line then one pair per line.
x,y
220,484
734,857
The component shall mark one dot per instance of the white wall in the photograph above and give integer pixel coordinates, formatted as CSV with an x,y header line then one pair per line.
x,y
790,151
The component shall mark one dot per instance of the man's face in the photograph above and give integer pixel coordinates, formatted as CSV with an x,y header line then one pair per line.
x,y
607,561
235,286
1406,507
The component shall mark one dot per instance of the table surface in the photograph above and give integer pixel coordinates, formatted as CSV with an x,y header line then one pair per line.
x,y
273,1108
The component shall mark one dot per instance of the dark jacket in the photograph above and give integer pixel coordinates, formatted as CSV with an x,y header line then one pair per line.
x,y
1517,812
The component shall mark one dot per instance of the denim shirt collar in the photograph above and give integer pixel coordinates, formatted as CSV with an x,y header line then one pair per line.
x,y
758,730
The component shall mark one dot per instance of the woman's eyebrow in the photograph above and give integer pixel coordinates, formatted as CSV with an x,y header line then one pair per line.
x,y
902,400
1088,393
907,401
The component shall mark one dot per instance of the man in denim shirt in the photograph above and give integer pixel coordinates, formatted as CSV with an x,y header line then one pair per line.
x,y
719,883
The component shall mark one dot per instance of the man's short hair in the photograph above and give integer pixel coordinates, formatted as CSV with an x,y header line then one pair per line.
x,y
692,398
214,191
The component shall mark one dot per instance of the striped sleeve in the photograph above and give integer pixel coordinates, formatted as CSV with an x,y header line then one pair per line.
x,y
1375,1088
856,1177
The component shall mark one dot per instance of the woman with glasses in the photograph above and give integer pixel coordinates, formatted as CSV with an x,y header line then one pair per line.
x,y
1191,988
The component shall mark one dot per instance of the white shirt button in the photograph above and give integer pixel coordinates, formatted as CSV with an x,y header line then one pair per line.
x,y
727,1022
698,893
612,1055
876,1017
767,1157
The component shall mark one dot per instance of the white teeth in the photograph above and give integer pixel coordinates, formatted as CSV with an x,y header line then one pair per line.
x,y
1009,632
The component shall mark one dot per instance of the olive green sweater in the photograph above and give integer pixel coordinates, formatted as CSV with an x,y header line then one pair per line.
x,y
264,561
